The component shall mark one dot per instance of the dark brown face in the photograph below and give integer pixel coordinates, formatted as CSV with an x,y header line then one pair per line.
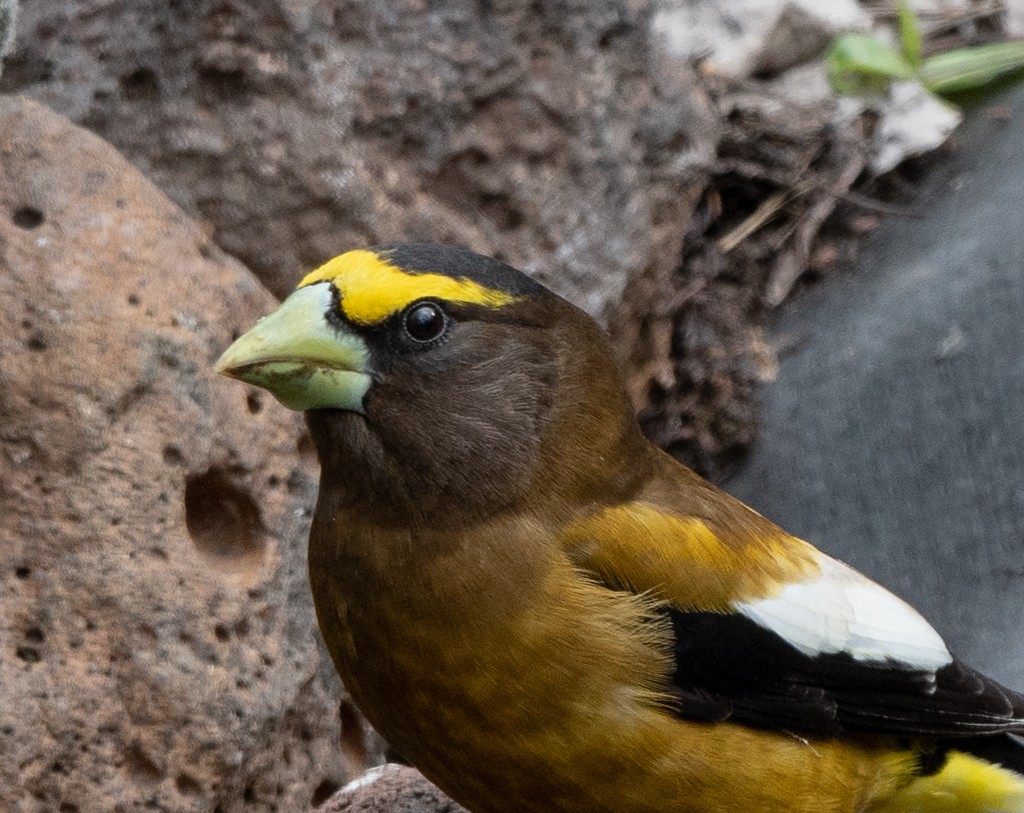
x,y
438,383
460,420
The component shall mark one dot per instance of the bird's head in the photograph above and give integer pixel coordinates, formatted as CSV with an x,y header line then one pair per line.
x,y
436,377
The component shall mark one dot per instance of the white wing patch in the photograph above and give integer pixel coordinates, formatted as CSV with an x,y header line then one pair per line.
x,y
843,611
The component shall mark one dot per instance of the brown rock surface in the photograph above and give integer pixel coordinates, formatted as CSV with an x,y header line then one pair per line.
x,y
157,643
548,134
390,789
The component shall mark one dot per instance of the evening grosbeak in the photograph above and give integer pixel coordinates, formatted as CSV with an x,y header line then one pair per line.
x,y
544,612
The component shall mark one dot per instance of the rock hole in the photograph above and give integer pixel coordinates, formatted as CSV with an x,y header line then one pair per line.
x,y
324,791
501,211
187,785
37,342
254,403
27,217
220,85
139,763
34,636
221,633
142,84
173,456
297,481
29,654
249,794
678,143
22,572
223,520
608,38
133,299
68,807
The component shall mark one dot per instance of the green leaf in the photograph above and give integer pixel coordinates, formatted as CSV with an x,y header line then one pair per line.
x,y
966,69
859,63
910,33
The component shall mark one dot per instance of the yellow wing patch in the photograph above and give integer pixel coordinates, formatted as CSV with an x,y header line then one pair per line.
x,y
372,289
684,560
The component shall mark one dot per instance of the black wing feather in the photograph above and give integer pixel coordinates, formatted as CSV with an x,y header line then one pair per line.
x,y
734,665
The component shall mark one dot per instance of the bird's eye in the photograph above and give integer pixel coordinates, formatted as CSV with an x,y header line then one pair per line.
x,y
425,322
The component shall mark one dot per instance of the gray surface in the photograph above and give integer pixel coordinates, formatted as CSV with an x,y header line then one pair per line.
x,y
894,438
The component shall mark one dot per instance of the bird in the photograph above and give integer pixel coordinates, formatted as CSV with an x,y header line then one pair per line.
x,y
543,611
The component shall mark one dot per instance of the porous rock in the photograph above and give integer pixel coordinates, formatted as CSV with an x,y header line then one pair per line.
x,y
390,789
548,134
157,641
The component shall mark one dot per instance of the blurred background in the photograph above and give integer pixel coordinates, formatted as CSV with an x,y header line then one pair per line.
x,y
799,221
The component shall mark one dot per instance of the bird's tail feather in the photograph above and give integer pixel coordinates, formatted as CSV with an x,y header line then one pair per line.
x,y
966,784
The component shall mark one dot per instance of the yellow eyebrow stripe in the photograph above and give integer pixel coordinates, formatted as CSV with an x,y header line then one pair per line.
x,y
372,289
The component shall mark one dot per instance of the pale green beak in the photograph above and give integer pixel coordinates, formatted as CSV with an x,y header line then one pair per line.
x,y
302,359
